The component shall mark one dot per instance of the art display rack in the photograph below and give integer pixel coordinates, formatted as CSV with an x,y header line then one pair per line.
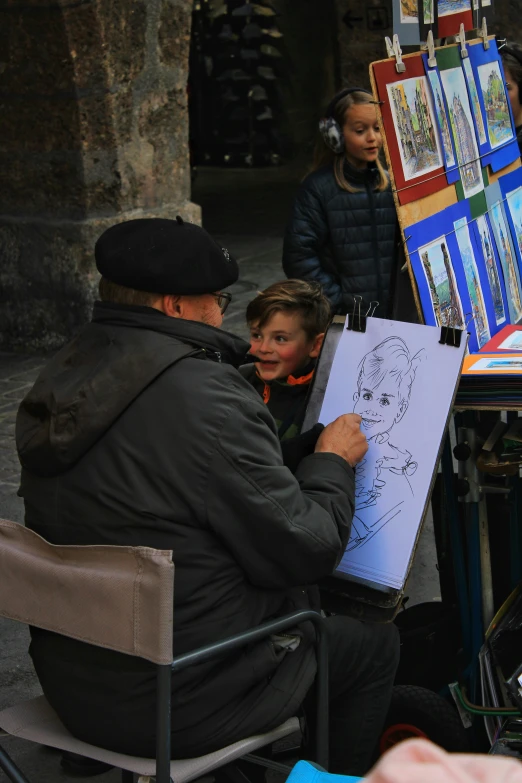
x,y
411,209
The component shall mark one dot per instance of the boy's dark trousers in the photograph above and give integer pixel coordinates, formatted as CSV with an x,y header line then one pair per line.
x,y
363,658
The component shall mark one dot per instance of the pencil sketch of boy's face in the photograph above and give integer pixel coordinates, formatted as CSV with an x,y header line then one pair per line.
x,y
379,406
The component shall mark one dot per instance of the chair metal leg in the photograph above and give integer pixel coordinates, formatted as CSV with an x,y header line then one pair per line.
x,y
323,728
164,678
10,768
127,776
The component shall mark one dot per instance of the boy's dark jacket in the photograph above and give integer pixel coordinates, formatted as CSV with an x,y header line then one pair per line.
x,y
142,432
345,241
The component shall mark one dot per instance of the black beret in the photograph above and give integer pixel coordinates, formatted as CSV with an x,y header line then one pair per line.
x,y
165,257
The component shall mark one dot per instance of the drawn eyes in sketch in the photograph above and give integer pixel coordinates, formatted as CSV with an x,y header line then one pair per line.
x,y
384,385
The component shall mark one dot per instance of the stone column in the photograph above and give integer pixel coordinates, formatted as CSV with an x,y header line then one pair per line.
x,y
94,131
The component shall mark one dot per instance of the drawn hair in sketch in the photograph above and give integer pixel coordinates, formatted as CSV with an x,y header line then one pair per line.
x,y
384,383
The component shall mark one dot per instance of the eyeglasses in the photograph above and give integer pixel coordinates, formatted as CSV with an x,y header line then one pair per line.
x,y
223,298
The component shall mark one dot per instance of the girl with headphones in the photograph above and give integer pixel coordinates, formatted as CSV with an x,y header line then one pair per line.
x,y
512,61
343,229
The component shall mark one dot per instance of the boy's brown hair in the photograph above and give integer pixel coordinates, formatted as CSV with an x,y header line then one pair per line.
x,y
292,296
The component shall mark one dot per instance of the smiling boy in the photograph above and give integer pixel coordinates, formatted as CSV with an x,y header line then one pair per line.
x,y
287,324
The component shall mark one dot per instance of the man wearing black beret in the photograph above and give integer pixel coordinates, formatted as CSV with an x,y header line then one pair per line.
x,y
141,432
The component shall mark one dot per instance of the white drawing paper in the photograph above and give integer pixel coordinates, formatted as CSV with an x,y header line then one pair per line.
x,y
386,375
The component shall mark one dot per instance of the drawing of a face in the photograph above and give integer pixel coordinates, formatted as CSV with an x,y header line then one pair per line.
x,y
380,407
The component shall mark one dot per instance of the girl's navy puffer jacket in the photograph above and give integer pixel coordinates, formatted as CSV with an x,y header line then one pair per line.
x,y
345,241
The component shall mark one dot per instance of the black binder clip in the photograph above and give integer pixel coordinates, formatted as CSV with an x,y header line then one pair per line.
x,y
450,335
356,321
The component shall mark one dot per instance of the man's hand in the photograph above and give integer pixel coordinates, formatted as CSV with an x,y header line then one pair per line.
x,y
344,437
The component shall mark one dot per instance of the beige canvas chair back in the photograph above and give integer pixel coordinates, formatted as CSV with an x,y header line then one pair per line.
x,y
116,597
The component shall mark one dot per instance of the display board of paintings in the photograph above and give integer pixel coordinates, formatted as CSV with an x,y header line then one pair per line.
x,y
412,19
456,174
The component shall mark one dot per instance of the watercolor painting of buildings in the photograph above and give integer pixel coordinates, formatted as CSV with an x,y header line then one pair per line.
x,y
409,12
427,11
511,276
442,118
438,270
463,130
495,103
514,202
414,120
475,103
478,306
448,7
486,244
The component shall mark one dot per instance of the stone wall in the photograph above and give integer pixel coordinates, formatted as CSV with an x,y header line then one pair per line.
x,y
94,130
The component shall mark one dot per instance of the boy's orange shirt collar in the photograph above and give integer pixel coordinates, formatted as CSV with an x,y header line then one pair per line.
x,y
291,381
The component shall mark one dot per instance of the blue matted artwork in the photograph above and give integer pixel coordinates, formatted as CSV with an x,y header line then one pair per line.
x,y
485,244
500,148
440,280
476,295
506,250
443,126
511,189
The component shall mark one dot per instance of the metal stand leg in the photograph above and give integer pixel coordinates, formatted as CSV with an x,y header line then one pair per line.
x,y
164,678
10,768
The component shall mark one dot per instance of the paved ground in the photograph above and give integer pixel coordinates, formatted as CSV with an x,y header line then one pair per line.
x,y
247,213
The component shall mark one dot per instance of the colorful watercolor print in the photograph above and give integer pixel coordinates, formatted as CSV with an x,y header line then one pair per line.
x,y
442,118
480,318
427,11
486,244
448,7
511,278
463,130
409,12
475,103
440,277
495,102
413,117
514,202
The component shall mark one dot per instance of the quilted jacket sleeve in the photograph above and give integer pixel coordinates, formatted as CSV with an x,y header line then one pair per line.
x,y
306,236
283,530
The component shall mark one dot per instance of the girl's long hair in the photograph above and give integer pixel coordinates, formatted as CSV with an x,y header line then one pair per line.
x,y
323,155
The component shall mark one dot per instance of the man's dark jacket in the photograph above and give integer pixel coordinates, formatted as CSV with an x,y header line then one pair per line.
x,y
142,432
345,241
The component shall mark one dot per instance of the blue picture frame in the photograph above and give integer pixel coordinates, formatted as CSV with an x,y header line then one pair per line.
x,y
452,169
500,156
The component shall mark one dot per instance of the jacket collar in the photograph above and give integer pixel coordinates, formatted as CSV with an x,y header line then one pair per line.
x,y
220,345
369,174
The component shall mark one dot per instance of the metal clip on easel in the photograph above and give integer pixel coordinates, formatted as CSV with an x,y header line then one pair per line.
x,y
461,38
356,321
375,304
483,33
449,334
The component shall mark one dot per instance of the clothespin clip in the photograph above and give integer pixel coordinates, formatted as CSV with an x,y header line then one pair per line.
x,y
432,59
483,33
397,53
461,37
389,47
356,321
